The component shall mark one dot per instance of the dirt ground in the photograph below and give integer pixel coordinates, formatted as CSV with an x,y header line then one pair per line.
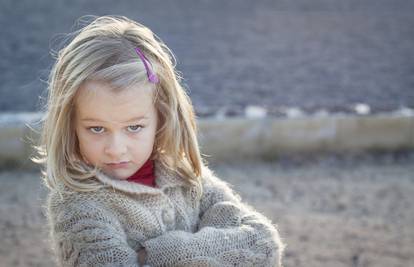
x,y
330,211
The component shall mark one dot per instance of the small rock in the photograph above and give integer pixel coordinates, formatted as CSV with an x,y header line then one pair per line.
x,y
294,112
362,109
255,112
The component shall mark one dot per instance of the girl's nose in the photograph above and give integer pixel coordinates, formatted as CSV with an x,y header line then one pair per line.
x,y
116,146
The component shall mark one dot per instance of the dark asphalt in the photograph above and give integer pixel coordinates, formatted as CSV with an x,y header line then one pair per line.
x,y
318,54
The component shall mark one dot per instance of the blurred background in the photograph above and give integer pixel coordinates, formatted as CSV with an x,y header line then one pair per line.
x,y
286,58
318,54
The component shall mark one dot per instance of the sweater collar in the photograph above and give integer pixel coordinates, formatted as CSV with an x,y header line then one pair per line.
x,y
145,174
163,178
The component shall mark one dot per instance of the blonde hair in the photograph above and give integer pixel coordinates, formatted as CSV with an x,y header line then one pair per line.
x,y
104,50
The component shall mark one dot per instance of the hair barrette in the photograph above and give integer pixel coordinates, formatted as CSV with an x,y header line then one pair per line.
x,y
152,77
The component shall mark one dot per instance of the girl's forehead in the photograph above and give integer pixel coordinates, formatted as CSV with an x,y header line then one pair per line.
x,y
100,100
92,88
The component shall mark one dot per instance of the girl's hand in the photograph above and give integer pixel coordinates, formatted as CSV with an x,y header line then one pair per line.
x,y
142,256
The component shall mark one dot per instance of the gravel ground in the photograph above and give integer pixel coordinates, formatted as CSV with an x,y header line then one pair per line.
x,y
318,54
331,210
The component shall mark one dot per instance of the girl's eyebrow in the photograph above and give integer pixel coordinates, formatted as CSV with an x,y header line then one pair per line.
x,y
132,119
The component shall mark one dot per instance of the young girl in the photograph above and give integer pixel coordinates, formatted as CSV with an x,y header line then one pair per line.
x,y
127,183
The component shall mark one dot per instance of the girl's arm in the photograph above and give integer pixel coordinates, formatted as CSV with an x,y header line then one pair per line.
x,y
84,234
230,233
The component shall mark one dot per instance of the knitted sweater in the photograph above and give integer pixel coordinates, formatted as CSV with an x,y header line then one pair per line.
x,y
109,226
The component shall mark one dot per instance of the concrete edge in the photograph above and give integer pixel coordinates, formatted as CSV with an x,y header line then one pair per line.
x,y
268,137
230,138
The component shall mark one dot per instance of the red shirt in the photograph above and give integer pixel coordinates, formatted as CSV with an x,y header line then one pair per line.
x,y
145,175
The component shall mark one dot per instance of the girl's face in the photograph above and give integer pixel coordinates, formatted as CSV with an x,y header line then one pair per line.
x,y
116,130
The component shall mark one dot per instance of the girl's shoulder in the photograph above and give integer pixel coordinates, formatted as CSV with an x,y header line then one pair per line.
x,y
210,180
66,198
214,186
74,206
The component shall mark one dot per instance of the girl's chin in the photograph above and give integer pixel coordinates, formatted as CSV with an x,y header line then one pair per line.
x,y
119,174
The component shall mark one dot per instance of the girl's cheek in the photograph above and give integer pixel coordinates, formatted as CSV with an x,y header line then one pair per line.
x,y
93,151
96,144
91,143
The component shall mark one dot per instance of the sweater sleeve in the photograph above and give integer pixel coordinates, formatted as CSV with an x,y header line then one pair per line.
x,y
230,233
84,234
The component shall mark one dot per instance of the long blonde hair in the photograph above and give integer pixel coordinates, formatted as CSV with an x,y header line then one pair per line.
x,y
104,49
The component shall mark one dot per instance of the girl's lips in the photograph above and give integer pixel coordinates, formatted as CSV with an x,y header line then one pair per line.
x,y
118,165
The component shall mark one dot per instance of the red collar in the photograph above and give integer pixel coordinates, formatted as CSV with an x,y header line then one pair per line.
x,y
145,175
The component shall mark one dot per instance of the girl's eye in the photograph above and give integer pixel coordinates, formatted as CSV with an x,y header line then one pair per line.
x,y
134,128
96,129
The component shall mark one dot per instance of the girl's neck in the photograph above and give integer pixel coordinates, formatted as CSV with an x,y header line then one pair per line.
x,y
145,175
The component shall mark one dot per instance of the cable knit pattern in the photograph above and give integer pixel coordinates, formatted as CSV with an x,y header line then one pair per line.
x,y
109,226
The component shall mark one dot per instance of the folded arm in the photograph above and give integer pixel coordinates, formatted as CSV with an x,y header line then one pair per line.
x,y
86,235
230,233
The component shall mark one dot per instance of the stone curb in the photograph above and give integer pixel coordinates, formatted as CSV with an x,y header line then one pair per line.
x,y
237,138
268,137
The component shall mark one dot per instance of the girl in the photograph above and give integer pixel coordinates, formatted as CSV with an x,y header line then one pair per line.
x,y
127,183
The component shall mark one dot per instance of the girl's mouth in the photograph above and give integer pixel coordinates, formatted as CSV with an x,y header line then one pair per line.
x,y
119,165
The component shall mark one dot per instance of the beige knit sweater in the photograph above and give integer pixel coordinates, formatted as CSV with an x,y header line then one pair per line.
x,y
108,227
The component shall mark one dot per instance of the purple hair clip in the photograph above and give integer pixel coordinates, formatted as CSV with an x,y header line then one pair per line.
x,y
152,77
